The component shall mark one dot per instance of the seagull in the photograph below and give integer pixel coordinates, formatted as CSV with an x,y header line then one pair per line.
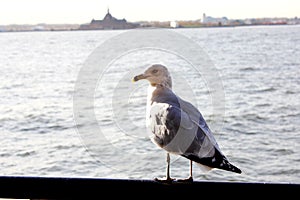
x,y
178,127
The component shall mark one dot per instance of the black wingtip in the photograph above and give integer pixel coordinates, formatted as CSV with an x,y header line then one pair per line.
x,y
217,161
235,169
226,165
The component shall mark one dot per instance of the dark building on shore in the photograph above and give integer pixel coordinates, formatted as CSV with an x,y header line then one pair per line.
x,y
108,23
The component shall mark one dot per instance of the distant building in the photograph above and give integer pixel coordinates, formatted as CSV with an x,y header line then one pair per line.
x,y
208,20
39,28
108,23
174,24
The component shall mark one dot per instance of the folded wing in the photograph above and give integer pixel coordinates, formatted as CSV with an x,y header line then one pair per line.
x,y
179,128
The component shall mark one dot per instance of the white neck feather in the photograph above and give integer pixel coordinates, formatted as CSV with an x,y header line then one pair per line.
x,y
148,107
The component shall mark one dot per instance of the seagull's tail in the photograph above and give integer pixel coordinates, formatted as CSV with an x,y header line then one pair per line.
x,y
229,167
223,163
217,161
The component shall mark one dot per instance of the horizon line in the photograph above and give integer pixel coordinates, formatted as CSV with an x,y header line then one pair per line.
x,y
78,23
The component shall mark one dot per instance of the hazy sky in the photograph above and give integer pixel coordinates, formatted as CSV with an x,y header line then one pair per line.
x,y
82,11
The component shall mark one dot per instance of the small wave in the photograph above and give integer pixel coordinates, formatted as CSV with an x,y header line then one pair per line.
x,y
41,128
290,92
293,115
248,69
254,117
284,151
28,129
263,105
240,130
269,89
5,154
25,153
53,168
285,171
63,147
36,122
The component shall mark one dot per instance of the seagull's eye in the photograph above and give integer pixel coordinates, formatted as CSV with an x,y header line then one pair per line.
x,y
154,71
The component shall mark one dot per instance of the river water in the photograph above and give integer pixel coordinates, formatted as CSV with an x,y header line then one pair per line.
x,y
255,118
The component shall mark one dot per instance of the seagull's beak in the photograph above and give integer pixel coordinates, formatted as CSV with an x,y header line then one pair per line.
x,y
139,77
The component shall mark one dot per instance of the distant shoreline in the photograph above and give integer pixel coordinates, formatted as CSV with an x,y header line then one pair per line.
x,y
186,27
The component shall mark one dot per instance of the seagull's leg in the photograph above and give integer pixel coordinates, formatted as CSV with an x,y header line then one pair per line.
x,y
190,178
168,167
168,179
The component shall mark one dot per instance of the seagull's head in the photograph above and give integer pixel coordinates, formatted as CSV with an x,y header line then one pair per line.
x,y
156,74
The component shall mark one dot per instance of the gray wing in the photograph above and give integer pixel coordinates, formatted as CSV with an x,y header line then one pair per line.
x,y
179,128
196,117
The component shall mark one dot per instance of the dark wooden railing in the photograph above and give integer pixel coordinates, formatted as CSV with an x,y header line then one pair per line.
x,y
19,187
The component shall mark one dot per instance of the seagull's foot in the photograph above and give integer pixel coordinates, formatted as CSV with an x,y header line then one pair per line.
x,y
167,180
186,180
